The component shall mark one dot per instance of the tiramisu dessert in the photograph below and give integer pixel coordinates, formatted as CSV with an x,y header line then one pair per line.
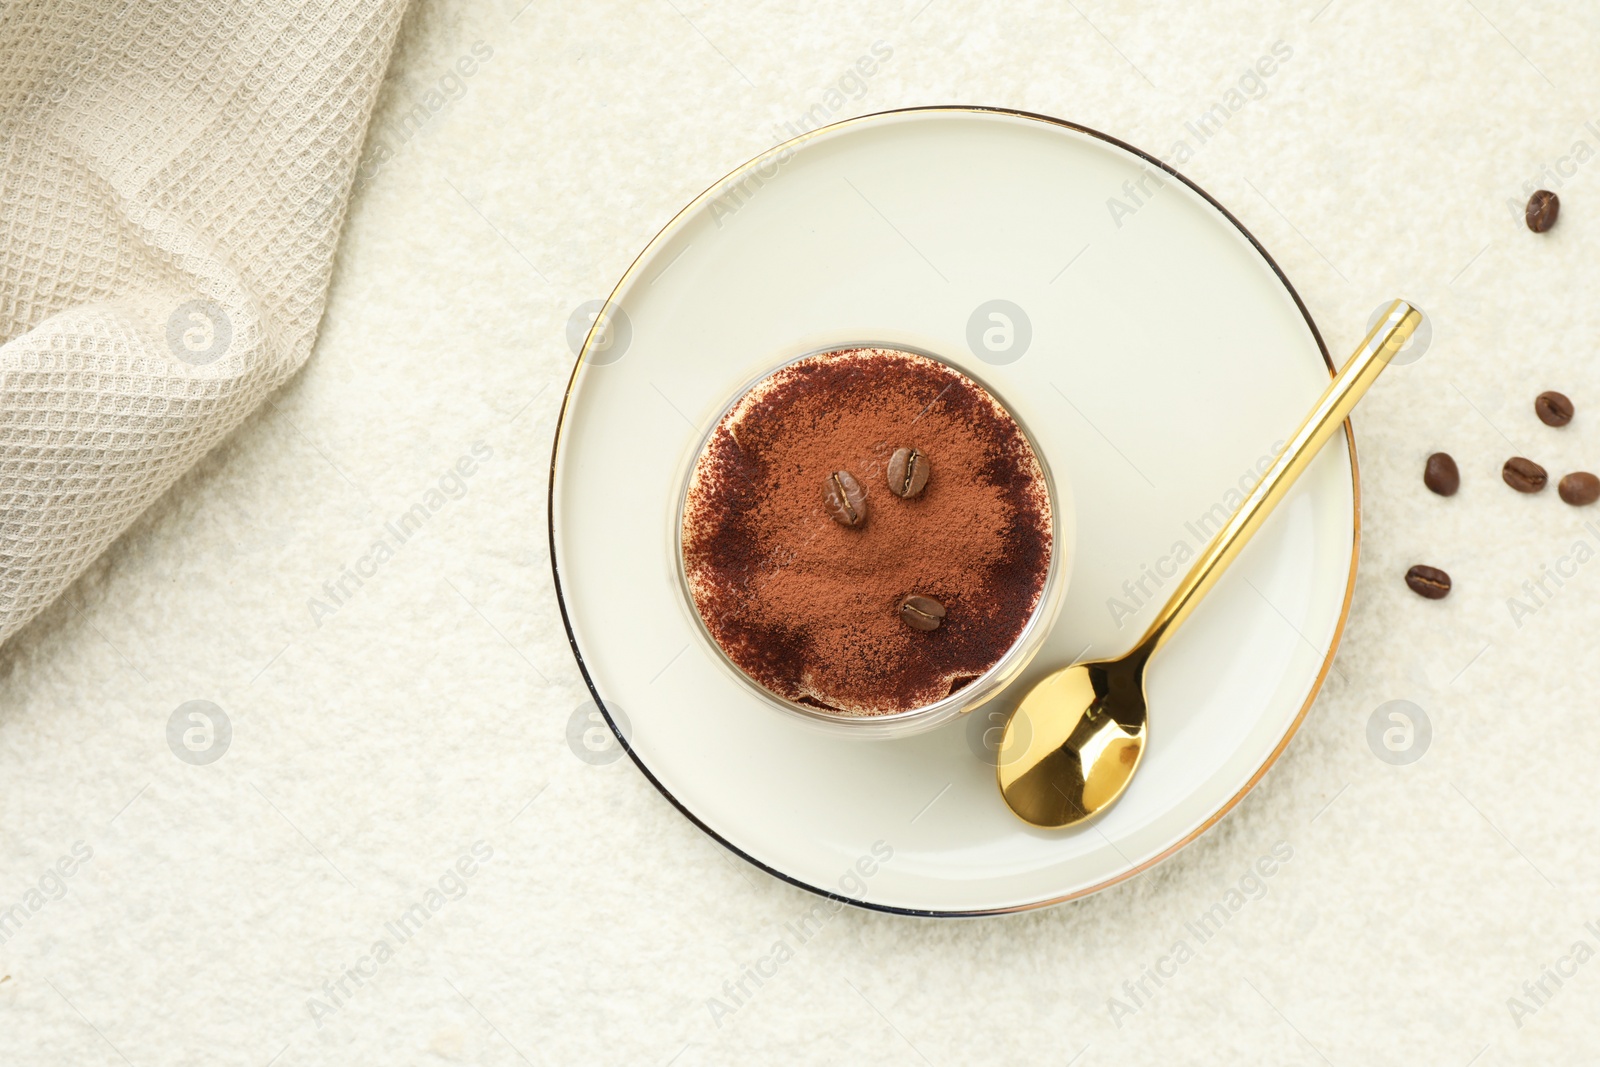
x,y
866,531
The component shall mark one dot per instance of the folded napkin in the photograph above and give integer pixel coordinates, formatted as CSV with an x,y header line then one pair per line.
x,y
173,177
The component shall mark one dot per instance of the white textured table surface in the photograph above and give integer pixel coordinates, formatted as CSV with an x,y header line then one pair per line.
x,y
376,743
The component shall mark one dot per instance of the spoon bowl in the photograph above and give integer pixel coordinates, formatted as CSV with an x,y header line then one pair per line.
x,y
1074,742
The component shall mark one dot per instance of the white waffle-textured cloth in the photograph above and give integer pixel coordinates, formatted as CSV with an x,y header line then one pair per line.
x,y
173,177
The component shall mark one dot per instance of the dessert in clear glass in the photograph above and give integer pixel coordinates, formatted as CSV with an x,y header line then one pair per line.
x,y
870,539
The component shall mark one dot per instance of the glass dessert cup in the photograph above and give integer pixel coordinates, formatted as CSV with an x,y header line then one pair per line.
x,y
969,694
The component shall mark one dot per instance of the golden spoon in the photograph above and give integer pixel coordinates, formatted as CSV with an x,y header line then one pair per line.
x,y
1072,745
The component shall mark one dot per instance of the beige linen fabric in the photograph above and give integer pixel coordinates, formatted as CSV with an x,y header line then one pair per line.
x,y
173,177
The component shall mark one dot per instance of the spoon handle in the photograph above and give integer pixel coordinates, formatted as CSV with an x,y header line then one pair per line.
x,y
1396,326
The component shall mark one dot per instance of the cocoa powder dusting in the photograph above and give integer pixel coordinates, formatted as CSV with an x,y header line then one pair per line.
x,y
809,607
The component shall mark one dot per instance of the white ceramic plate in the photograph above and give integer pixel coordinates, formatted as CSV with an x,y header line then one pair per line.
x,y
1165,357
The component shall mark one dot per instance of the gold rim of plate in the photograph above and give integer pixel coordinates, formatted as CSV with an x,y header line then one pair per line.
x,y
714,189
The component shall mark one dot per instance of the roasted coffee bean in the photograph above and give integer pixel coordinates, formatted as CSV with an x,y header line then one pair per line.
x,y
1430,582
1441,474
1524,475
908,472
844,499
1553,408
1543,207
921,612
1579,488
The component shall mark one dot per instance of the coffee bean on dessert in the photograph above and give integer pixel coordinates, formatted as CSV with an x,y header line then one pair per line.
x,y
1553,408
1430,582
908,472
1524,475
921,612
1543,207
1441,474
844,498
1579,488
